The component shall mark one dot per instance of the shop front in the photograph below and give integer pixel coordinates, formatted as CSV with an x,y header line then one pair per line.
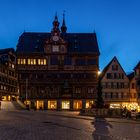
x,y
52,104
127,105
130,105
39,104
115,105
65,105
27,104
77,104
89,103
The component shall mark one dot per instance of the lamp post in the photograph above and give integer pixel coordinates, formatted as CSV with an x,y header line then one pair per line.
x,y
100,101
26,96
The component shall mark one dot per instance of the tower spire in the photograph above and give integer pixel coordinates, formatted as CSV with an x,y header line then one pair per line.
x,y
55,28
56,18
63,27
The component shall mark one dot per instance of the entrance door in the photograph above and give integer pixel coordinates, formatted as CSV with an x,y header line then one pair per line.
x,y
39,104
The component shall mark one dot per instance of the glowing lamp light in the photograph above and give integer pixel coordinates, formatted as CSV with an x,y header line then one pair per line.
x,y
99,72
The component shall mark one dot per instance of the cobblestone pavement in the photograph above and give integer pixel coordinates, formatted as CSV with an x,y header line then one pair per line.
x,y
53,125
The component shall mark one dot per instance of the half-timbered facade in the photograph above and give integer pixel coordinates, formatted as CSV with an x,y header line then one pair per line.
x,y
137,81
115,85
133,91
58,70
8,76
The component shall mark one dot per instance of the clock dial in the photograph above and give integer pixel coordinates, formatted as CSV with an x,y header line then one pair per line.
x,y
55,38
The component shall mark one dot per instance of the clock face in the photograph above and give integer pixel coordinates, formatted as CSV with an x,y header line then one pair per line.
x,y
55,38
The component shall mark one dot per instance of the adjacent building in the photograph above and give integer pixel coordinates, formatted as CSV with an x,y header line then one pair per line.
x,y
133,91
115,85
137,81
58,70
132,87
8,76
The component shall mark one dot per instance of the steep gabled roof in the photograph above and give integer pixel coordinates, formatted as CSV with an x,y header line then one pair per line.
x,y
107,67
137,66
31,42
77,42
5,53
7,50
105,70
131,75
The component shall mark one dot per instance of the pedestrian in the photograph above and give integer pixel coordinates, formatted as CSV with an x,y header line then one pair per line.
x,y
124,112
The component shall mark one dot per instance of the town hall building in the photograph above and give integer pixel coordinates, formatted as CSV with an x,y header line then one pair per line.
x,y
58,70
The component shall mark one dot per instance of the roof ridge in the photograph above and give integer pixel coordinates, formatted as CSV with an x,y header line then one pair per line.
x,y
107,66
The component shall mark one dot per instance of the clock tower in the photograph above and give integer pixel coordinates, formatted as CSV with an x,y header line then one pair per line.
x,y
55,30
56,44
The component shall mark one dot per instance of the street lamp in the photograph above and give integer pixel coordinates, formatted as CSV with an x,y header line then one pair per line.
x,y
99,72
100,101
26,90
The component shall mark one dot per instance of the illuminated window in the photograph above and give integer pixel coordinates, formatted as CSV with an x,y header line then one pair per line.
x,y
77,104
89,103
39,104
31,61
52,104
65,104
18,61
115,106
21,61
41,61
45,62
13,66
27,102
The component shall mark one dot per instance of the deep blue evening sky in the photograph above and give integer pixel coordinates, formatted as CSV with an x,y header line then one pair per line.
x,y
116,22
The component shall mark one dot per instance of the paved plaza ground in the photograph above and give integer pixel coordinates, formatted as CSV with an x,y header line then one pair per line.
x,y
16,124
